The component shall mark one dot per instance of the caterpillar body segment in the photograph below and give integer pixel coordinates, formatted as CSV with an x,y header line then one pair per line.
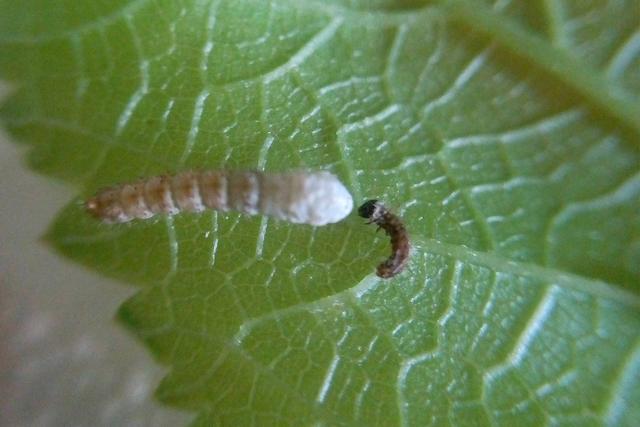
x,y
315,198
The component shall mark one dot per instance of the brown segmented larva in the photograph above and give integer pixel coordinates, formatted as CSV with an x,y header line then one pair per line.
x,y
315,198
378,214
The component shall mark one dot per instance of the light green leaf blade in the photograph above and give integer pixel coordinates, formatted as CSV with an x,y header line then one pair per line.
x,y
504,134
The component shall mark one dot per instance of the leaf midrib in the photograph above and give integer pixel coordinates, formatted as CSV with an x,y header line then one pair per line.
x,y
549,275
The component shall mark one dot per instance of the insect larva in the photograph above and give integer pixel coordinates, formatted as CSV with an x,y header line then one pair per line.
x,y
378,214
315,198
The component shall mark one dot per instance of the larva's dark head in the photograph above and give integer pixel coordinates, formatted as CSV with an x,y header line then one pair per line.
x,y
368,208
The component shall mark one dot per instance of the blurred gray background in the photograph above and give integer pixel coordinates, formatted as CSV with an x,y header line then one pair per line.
x,y
64,361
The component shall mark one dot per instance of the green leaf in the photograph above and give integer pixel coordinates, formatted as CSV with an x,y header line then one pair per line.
x,y
505,133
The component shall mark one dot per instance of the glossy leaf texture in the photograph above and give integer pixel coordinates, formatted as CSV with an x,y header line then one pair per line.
x,y
505,133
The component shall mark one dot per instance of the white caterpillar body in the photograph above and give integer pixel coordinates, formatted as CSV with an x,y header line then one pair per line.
x,y
315,198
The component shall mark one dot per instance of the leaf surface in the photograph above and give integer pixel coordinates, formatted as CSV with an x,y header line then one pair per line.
x,y
505,133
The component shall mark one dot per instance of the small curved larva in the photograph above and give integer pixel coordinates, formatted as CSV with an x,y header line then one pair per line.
x,y
378,214
315,198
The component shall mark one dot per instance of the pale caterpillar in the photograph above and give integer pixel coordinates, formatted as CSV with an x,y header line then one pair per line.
x,y
315,198
378,214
